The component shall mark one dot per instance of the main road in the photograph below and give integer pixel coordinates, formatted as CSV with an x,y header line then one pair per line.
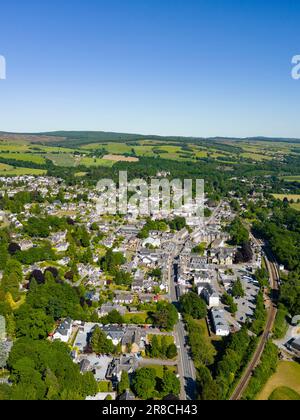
x,y
187,371
272,311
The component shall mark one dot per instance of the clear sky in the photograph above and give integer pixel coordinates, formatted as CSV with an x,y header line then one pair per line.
x,y
170,67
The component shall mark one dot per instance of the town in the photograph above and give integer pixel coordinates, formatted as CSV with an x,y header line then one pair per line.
x,y
134,299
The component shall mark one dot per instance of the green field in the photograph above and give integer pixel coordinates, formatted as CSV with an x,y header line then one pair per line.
x,y
290,197
287,375
6,170
25,157
292,178
284,394
229,152
88,162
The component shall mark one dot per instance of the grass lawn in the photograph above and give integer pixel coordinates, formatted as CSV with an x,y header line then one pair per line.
x,y
284,394
159,369
140,316
287,375
169,339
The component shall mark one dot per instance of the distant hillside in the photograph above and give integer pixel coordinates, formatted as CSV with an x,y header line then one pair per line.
x,y
77,138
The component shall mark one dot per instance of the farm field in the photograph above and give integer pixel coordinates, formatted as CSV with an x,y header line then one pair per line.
x,y
62,159
120,158
292,178
287,375
25,157
90,155
296,206
88,162
290,197
6,170
284,393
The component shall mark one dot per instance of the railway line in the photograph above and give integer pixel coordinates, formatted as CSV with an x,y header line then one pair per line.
x,y
272,312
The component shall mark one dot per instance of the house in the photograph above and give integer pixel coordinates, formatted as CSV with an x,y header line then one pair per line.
x,y
295,346
121,364
63,331
114,333
210,295
25,245
134,340
127,396
221,256
108,308
296,321
151,242
102,396
63,247
221,326
123,298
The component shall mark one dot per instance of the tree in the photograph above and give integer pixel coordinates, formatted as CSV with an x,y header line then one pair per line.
x,y
230,303
114,317
43,370
124,383
155,347
172,351
13,248
37,227
244,254
170,384
33,323
100,343
208,389
239,234
238,290
144,383
166,316
193,305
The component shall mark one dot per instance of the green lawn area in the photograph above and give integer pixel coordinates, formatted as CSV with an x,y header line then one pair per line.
x,y
141,317
284,394
169,339
287,375
159,369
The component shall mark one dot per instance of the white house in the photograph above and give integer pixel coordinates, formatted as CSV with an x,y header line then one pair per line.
x,y
64,331
220,324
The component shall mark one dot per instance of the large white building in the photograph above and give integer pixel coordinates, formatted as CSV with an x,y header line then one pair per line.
x,y
221,326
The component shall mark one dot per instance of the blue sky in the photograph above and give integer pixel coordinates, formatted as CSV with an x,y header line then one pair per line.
x,y
180,67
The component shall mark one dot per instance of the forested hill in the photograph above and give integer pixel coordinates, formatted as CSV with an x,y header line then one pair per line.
x,y
77,138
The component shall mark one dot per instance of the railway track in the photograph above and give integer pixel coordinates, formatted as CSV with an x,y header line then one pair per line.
x,y
274,281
